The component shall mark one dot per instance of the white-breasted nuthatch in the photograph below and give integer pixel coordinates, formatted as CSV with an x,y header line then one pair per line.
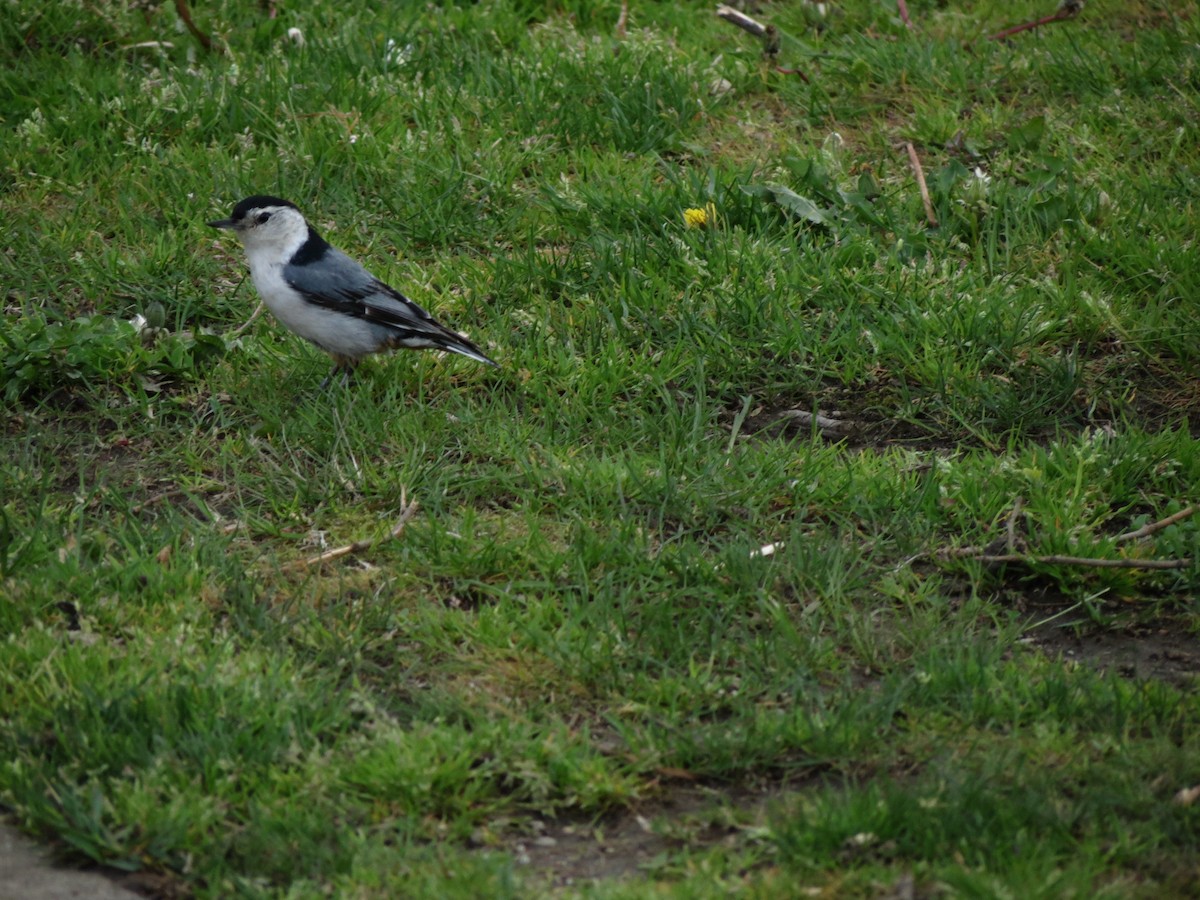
x,y
325,296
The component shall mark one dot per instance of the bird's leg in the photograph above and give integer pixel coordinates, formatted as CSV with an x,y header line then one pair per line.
x,y
343,365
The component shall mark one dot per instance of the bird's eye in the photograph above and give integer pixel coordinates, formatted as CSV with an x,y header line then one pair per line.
x,y
262,218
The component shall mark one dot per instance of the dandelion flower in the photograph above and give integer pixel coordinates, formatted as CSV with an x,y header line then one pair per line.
x,y
700,218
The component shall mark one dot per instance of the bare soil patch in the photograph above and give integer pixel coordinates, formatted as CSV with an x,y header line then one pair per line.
x,y
1161,648
630,843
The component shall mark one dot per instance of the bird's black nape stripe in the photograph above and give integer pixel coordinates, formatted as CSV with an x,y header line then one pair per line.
x,y
313,249
258,201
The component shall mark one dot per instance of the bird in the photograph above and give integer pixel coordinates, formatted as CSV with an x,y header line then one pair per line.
x,y
325,296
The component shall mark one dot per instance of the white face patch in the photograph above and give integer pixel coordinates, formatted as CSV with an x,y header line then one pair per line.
x,y
275,231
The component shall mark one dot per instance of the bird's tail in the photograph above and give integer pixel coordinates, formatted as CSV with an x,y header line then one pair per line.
x,y
459,344
434,336
408,325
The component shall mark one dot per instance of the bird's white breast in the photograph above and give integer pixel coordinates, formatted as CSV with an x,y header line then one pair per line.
x,y
332,331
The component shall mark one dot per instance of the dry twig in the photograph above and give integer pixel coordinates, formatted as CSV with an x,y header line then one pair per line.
x,y
1147,530
357,546
185,14
904,14
921,185
149,45
250,321
173,494
741,20
990,554
1188,795
1067,9
1018,504
771,36
157,499
1092,562
829,428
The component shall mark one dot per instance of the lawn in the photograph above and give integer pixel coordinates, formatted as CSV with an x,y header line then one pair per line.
x,y
813,538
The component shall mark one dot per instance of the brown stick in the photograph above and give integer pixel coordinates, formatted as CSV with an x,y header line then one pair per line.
x,y
1012,524
172,494
961,552
250,321
1087,561
987,554
771,37
622,21
1187,796
1144,531
1027,26
357,546
741,20
782,71
181,7
830,428
904,14
1067,9
921,185
1147,530
158,498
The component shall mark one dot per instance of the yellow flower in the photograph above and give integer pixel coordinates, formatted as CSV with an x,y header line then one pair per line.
x,y
700,218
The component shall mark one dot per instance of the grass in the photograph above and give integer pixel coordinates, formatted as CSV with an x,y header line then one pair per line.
x,y
578,625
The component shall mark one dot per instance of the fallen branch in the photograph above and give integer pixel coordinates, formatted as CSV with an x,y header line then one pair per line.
x,y
771,37
250,321
991,549
181,7
741,20
829,428
1067,9
1086,561
173,494
782,71
1187,796
156,499
991,553
149,45
921,185
1147,530
357,546
1011,529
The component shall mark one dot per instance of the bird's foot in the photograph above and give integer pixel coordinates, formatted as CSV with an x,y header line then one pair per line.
x,y
344,380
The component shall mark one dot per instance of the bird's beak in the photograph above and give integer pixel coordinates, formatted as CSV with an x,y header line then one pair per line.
x,y
221,223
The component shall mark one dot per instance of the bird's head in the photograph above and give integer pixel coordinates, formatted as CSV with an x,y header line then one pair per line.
x,y
266,224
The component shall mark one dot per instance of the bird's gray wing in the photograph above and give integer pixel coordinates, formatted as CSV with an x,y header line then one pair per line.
x,y
335,281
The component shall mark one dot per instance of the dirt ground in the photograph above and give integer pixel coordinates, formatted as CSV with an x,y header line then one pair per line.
x,y
1158,649
635,842
686,814
681,813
